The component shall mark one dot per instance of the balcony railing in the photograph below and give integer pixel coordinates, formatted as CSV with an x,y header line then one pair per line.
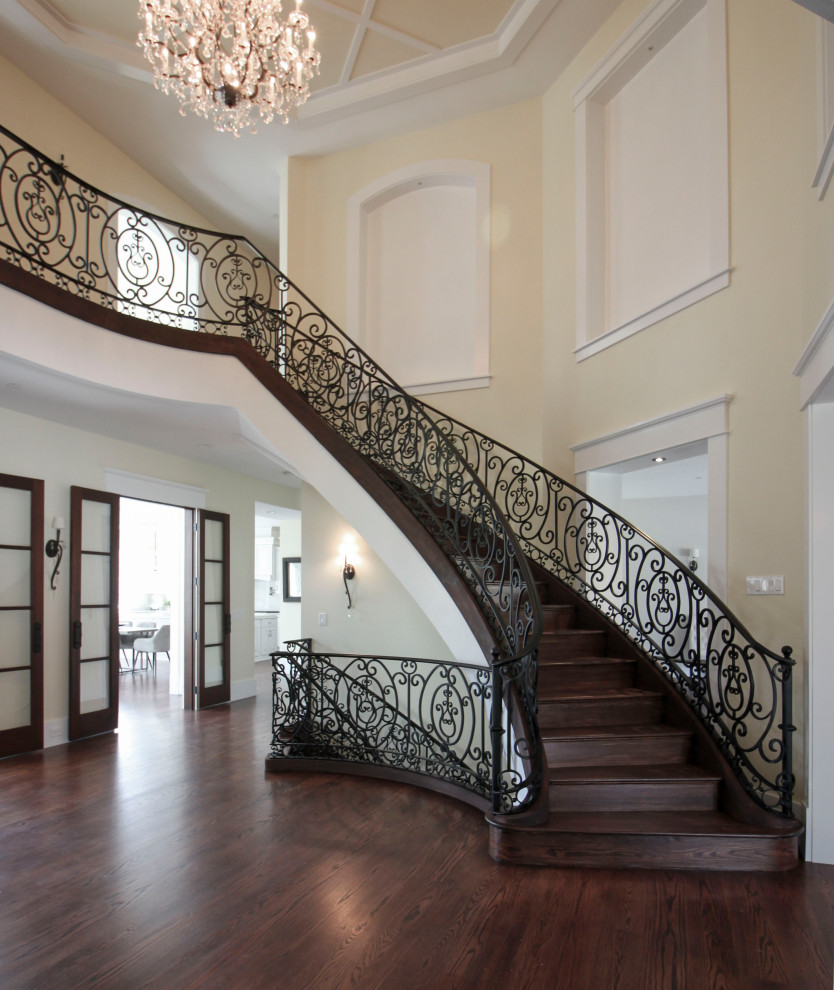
x,y
91,245
488,507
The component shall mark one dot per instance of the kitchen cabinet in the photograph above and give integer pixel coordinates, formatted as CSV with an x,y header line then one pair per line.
x,y
266,634
266,560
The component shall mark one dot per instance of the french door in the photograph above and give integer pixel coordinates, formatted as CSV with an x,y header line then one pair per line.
x,y
214,619
94,613
21,614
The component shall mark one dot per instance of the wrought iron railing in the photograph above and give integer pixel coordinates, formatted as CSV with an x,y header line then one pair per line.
x,y
422,716
740,690
89,244
481,501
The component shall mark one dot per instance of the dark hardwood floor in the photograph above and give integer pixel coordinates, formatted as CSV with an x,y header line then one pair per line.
x,y
166,857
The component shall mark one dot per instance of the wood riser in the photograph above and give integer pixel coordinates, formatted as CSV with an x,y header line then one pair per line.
x,y
572,713
571,643
678,852
600,675
558,617
616,750
660,795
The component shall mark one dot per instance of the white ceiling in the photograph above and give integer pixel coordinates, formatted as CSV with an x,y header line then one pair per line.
x,y
270,517
388,67
683,472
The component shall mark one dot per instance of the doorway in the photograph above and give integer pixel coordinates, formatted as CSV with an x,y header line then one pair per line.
x,y
152,597
96,642
666,495
674,434
277,613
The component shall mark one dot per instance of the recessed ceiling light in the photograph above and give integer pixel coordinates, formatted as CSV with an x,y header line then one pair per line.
x,y
206,446
658,460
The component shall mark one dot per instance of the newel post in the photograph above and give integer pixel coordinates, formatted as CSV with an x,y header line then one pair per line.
x,y
788,729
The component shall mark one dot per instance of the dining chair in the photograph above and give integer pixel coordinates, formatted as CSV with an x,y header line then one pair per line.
x,y
159,642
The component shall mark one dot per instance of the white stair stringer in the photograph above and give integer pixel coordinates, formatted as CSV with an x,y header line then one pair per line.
x,y
67,348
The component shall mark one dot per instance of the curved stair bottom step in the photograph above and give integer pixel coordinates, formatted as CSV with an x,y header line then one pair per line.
x,y
632,840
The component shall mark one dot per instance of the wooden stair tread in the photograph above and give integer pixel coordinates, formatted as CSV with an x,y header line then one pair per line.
x,y
558,634
584,661
623,790
700,823
631,773
603,694
657,730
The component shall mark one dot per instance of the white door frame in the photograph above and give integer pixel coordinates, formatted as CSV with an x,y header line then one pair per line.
x,y
816,375
707,421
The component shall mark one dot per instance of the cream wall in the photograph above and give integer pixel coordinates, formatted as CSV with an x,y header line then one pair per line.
x,y
746,339
509,140
39,119
62,457
383,621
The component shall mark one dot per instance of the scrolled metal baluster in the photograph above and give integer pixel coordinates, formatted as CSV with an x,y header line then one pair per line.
x,y
476,496
385,711
497,732
786,780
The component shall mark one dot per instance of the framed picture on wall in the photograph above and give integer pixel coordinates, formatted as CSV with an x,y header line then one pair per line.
x,y
292,579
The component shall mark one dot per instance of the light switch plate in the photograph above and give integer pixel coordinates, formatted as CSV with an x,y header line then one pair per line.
x,y
773,584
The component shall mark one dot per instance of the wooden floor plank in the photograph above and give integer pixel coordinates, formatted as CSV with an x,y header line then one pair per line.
x,y
166,857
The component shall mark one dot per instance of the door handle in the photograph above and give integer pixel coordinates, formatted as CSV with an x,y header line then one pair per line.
x,y
227,624
76,635
37,637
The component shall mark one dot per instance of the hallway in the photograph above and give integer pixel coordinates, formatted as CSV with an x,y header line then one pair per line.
x,y
165,857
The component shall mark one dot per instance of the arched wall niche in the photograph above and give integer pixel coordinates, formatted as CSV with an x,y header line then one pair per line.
x,y
418,274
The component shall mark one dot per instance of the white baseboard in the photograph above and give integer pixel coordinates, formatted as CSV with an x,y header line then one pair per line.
x,y
55,732
242,689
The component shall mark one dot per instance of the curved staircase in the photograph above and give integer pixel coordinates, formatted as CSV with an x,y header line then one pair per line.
x,y
627,718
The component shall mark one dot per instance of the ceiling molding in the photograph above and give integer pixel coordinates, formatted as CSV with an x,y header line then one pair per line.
x,y
464,61
431,67
98,78
102,47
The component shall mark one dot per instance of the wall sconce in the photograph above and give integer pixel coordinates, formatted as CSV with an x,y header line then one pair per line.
x,y
347,553
693,553
55,548
348,574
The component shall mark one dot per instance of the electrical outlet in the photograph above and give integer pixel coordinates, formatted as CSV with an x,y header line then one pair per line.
x,y
773,584
322,618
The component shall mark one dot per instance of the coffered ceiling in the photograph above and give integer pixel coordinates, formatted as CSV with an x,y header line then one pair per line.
x,y
388,66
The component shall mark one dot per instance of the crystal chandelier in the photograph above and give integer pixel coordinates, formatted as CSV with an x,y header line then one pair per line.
x,y
230,60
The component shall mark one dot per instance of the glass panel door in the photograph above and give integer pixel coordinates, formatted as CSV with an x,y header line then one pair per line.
x,y
21,614
214,621
94,620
